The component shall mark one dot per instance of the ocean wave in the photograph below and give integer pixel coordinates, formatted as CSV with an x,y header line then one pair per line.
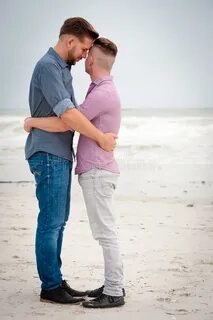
x,y
138,135
139,147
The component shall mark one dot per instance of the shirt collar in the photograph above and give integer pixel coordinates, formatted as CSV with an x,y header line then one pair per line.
x,y
62,63
96,82
100,80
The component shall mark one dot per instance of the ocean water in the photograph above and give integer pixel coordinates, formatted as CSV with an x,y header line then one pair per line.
x,y
168,136
148,139
161,153
186,135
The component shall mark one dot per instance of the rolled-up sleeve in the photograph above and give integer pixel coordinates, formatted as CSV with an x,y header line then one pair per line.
x,y
53,89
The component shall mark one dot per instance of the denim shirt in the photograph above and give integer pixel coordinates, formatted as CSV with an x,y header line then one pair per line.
x,y
51,94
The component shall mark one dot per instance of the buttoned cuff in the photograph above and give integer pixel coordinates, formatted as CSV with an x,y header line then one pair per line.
x,y
63,106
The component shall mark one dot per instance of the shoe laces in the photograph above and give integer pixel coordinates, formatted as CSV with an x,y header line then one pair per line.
x,y
100,298
98,290
103,297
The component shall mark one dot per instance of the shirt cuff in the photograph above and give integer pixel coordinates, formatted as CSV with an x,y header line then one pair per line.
x,y
63,106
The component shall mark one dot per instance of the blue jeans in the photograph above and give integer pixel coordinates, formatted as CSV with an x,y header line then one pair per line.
x,y
53,183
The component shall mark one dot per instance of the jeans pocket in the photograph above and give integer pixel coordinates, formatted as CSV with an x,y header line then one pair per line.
x,y
35,167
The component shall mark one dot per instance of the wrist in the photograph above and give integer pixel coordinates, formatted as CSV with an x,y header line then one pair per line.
x,y
100,138
31,122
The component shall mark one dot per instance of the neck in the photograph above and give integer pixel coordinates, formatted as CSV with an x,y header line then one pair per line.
x,y
59,49
99,74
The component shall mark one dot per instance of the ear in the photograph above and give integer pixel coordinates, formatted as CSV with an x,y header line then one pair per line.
x,y
91,60
70,41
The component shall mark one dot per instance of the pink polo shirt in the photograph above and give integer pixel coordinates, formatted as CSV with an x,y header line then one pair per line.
x,y
102,107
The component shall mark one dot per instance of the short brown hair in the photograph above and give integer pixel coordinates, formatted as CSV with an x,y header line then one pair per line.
x,y
106,46
78,27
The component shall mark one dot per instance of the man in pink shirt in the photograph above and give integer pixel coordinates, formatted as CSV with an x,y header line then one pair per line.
x,y
97,169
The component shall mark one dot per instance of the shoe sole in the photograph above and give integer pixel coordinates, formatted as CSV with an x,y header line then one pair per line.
x,y
55,302
103,307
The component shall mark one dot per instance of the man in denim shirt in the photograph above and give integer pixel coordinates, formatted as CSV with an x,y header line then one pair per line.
x,y
50,154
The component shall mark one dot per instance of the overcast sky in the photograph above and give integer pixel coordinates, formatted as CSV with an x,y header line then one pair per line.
x,y
165,48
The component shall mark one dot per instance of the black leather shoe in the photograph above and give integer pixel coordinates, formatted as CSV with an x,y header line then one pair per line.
x,y
97,292
73,292
104,301
58,295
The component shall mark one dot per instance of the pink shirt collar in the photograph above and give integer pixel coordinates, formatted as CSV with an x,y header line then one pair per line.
x,y
99,80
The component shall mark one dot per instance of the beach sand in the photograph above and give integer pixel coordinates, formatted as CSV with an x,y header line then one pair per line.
x,y
165,223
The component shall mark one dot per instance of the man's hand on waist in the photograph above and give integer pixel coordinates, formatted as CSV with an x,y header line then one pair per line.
x,y
107,141
27,124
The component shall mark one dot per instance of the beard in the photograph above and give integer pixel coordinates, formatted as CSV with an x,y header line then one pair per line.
x,y
71,58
